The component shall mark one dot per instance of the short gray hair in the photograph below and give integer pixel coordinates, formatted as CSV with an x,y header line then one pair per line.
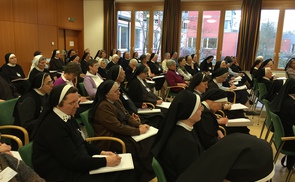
x,y
170,62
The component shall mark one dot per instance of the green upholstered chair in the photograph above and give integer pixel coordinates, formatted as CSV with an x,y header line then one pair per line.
x,y
279,140
26,154
82,89
158,170
267,123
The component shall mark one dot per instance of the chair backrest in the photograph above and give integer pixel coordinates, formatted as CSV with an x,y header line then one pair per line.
x,y
268,117
88,126
26,154
6,111
293,127
278,129
158,170
82,89
262,90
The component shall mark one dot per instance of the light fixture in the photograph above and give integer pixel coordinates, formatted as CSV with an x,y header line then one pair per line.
x,y
211,21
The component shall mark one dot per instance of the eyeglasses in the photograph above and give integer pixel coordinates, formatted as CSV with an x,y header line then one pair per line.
x,y
74,103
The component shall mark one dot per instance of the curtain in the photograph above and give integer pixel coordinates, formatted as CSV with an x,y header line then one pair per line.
x,y
249,33
109,39
171,26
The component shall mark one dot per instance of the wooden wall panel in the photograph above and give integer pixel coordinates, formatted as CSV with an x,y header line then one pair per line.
x,y
7,39
26,43
6,10
25,11
70,8
47,12
46,36
61,42
71,37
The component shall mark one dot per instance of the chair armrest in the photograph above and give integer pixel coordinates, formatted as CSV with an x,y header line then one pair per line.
x,y
15,138
288,138
176,87
108,138
234,94
150,104
222,129
221,113
22,129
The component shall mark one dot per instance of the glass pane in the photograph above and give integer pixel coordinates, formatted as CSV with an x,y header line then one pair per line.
x,y
288,40
268,32
231,32
157,33
209,39
124,30
141,31
189,26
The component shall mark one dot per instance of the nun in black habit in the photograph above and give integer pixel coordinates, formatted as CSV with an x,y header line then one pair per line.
x,y
60,152
237,157
116,73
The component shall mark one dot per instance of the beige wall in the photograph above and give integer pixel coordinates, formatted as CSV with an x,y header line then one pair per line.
x,y
93,25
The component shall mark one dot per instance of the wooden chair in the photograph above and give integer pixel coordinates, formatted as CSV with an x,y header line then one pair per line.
x,y
90,132
12,137
279,140
170,93
233,93
23,130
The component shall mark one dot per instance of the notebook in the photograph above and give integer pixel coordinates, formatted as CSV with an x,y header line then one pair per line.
x,y
125,164
148,111
164,104
152,131
239,122
238,106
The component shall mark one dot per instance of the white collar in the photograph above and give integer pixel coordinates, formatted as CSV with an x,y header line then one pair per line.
x,y
61,114
38,92
206,105
266,78
68,82
39,69
11,65
185,126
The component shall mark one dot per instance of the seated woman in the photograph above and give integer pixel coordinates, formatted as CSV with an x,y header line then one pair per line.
x,y
199,83
116,73
30,105
59,143
14,73
181,69
207,128
206,64
109,118
254,69
39,63
56,64
272,86
102,71
190,66
174,78
235,158
290,68
83,63
70,74
156,70
284,106
92,79
139,90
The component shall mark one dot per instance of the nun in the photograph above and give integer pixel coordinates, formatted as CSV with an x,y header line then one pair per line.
x,y
116,73
240,157
109,118
199,83
59,143
208,127
56,64
206,64
14,73
30,105
139,89
284,106
39,64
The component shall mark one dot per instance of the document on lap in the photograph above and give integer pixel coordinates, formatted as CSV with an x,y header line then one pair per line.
x,y
125,164
151,132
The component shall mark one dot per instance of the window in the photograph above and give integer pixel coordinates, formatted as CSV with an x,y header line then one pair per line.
x,y
210,43
123,30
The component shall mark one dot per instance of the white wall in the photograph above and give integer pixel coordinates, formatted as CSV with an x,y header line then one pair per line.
x,y
93,25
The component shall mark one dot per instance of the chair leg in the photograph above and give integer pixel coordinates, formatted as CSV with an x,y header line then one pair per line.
x,y
260,113
290,174
262,129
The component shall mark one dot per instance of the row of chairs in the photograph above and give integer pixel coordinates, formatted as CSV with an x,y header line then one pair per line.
x,y
274,125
